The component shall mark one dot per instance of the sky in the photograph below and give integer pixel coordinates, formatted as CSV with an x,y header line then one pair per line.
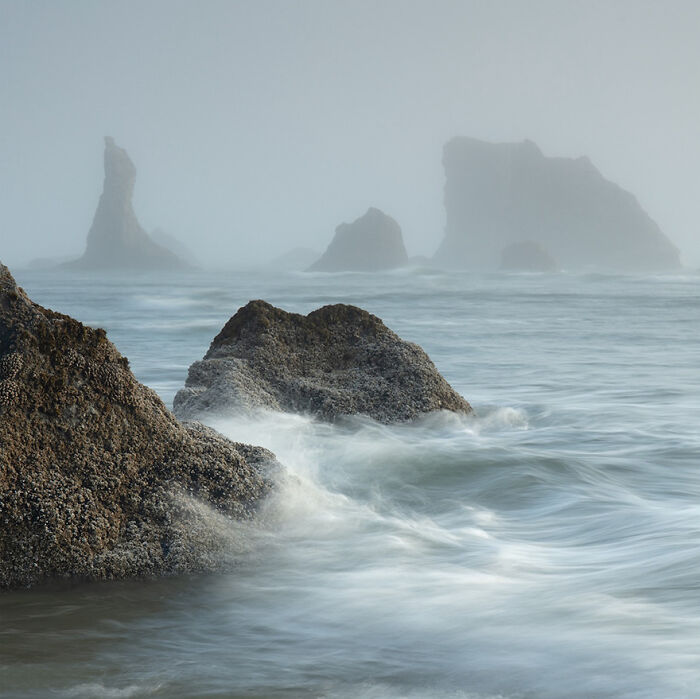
x,y
259,126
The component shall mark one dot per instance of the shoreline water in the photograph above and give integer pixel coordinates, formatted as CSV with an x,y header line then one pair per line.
x,y
545,548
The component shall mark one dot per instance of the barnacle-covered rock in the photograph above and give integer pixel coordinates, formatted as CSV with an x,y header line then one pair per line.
x,y
338,360
98,479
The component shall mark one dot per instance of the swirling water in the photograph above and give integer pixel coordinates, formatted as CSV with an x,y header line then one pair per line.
x,y
549,547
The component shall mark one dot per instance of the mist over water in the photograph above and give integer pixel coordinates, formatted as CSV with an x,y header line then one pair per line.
x,y
547,547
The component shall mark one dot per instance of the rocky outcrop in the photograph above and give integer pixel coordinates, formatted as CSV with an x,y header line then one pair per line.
x,y
338,360
371,243
116,239
527,256
174,245
497,194
98,479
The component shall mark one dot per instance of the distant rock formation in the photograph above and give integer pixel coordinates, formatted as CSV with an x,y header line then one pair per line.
x,y
116,239
338,360
371,243
175,245
527,256
98,480
497,194
295,260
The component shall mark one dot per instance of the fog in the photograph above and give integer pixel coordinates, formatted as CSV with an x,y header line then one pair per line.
x,y
259,126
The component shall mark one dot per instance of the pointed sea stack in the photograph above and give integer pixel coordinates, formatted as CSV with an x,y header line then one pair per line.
x,y
497,194
98,480
116,239
338,360
371,243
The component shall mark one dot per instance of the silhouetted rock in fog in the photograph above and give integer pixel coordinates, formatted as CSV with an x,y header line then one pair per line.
x,y
116,239
497,194
371,243
527,256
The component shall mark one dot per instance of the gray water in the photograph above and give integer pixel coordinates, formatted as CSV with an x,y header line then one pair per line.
x,y
549,547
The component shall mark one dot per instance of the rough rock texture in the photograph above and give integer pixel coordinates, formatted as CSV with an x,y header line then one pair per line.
x,y
116,239
501,193
338,360
373,242
527,257
98,479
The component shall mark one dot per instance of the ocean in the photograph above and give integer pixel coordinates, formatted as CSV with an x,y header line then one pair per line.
x,y
547,547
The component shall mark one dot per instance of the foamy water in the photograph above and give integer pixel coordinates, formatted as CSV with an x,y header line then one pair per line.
x,y
548,547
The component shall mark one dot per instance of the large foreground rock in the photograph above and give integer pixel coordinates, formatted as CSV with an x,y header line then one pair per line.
x,y
497,194
338,360
116,239
371,243
98,479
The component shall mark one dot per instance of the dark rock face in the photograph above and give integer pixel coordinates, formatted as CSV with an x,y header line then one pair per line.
x,y
338,360
116,239
98,480
497,194
527,257
371,243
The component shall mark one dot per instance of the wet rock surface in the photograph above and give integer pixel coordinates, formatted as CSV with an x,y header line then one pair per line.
x,y
371,243
338,360
116,239
98,480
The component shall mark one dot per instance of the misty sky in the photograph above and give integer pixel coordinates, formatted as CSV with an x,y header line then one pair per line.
x,y
259,126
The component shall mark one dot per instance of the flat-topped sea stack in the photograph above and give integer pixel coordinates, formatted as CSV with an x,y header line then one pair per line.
x,y
498,194
98,480
116,239
527,257
370,244
336,361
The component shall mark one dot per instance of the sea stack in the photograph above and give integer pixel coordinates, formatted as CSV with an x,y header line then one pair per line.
x,y
370,244
498,194
527,257
336,361
116,239
98,480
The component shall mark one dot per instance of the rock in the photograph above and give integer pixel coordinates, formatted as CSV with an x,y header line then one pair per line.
x,y
371,243
116,239
497,194
338,360
527,256
98,480
175,245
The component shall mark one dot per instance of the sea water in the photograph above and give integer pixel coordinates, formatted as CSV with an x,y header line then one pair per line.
x,y
548,547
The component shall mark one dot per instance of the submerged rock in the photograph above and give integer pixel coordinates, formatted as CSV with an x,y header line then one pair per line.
x,y
338,360
98,479
527,256
371,243
116,239
497,194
